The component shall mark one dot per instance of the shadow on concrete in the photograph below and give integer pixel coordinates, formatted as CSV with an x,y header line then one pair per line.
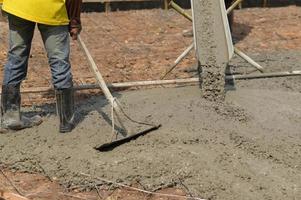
x,y
240,31
83,106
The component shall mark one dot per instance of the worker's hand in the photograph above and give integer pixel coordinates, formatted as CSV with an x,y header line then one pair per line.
x,y
74,32
74,29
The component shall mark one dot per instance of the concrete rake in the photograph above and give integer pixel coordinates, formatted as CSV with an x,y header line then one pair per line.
x,y
116,108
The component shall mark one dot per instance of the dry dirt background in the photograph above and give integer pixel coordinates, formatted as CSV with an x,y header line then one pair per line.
x,y
248,148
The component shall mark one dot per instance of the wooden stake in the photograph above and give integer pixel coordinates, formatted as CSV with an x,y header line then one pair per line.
x,y
179,59
107,7
180,10
248,59
233,6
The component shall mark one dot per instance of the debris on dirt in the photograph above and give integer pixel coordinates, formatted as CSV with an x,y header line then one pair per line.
x,y
38,187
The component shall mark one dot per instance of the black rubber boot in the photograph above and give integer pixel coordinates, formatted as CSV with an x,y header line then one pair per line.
x,y
65,109
10,110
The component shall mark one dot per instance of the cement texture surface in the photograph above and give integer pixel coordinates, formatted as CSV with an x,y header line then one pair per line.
x,y
246,148
212,46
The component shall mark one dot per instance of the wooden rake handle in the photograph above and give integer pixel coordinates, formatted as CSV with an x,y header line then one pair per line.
x,y
101,81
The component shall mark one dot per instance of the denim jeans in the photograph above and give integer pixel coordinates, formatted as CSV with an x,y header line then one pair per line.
x,y
57,44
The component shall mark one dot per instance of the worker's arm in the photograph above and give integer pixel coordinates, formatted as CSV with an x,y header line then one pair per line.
x,y
73,9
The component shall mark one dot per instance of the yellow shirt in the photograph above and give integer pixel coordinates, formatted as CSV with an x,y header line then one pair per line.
x,y
50,12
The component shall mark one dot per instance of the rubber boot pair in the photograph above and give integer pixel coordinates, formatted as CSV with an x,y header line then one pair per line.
x,y
10,110
11,116
65,109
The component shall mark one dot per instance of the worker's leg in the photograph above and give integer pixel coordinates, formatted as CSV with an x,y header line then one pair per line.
x,y
20,37
57,44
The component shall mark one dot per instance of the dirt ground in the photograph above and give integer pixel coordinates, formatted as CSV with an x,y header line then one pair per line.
x,y
247,148
144,44
37,187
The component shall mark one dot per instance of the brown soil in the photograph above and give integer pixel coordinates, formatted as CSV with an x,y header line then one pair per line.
x,y
141,45
247,148
36,187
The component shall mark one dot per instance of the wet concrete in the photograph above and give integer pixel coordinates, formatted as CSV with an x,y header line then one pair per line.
x,y
247,148
213,46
